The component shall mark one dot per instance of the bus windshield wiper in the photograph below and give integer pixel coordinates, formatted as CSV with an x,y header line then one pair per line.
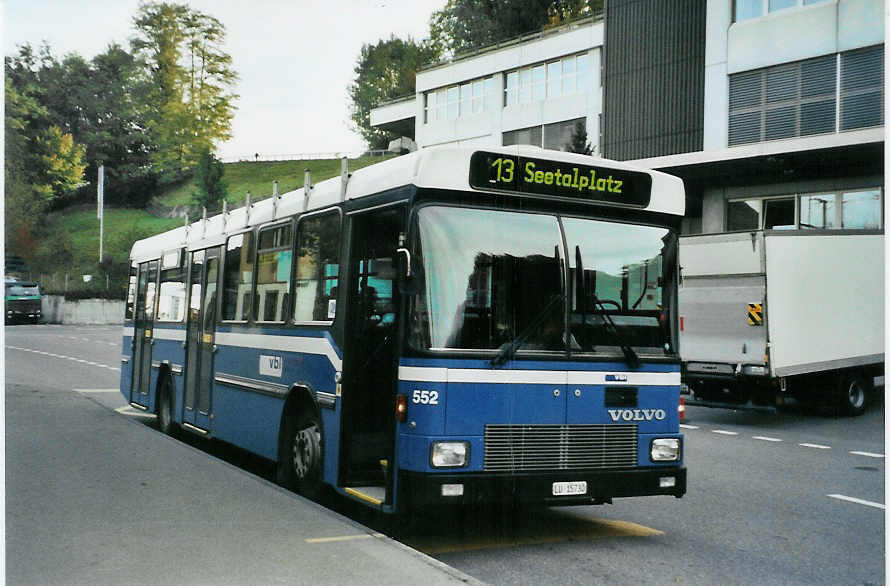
x,y
633,361
508,349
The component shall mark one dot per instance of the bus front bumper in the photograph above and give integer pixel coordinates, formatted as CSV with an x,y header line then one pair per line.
x,y
540,487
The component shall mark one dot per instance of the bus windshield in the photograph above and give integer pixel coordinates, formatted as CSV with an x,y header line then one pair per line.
x,y
490,277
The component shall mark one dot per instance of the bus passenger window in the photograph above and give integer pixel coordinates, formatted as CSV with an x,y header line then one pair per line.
x,y
171,300
318,268
273,273
237,278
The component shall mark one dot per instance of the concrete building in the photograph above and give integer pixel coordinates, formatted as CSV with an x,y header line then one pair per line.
x,y
770,110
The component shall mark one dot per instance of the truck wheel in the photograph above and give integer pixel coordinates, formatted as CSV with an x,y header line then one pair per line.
x,y
301,457
853,393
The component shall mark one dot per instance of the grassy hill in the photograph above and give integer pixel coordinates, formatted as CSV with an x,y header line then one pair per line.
x,y
257,178
69,246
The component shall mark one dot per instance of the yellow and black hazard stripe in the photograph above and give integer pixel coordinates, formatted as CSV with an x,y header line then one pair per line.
x,y
755,314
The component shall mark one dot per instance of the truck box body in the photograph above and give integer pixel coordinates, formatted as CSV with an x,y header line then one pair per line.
x,y
781,303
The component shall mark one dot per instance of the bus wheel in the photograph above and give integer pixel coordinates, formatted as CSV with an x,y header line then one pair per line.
x,y
302,457
165,407
853,393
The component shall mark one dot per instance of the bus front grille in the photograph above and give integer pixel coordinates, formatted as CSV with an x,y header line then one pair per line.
x,y
515,448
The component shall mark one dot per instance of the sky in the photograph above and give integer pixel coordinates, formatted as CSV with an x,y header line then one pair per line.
x,y
295,58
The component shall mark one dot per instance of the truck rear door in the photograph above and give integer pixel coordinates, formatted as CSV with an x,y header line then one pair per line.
x,y
722,301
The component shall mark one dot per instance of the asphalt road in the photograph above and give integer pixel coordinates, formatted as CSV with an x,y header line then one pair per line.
x,y
95,495
773,497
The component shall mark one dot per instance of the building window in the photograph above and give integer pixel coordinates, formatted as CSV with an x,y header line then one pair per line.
x,y
562,77
556,136
748,9
460,101
801,99
862,88
849,210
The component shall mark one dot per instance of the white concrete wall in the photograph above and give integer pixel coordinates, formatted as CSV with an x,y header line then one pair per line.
x,y
57,310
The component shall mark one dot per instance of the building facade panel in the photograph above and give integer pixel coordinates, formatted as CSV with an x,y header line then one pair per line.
x,y
654,56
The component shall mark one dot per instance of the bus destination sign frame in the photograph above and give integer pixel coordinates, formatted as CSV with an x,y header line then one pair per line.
x,y
543,177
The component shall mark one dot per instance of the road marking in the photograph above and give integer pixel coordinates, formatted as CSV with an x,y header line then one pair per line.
x,y
344,538
850,499
723,432
766,439
127,410
867,454
686,426
71,358
816,446
98,390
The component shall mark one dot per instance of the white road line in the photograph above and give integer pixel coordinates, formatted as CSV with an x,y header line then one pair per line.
x,y
127,410
686,426
766,439
98,390
850,499
867,454
723,432
73,359
816,446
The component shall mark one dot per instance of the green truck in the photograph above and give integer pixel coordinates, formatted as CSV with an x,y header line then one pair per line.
x,y
22,300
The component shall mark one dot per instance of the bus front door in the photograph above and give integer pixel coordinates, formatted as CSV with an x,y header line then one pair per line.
x,y
142,333
200,341
368,423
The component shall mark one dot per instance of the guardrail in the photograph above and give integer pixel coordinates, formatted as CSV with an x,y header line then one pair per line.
x,y
257,157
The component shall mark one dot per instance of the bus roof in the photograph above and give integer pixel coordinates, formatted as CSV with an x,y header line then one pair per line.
x,y
445,168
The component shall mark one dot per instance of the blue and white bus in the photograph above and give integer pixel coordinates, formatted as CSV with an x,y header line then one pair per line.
x,y
449,326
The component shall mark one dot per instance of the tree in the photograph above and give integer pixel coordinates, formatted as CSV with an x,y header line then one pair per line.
x,y
384,71
43,163
467,25
579,143
98,103
189,80
210,190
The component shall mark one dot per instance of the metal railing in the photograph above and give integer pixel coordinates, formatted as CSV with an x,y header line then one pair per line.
x,y
259,157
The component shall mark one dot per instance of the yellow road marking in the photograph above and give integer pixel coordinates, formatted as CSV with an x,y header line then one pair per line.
x,y
363,496
343,538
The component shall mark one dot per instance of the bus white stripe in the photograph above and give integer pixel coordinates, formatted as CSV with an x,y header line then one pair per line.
x,y
302,344
168,334
544,377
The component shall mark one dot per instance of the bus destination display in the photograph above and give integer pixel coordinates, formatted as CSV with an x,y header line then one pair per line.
x,y
543,177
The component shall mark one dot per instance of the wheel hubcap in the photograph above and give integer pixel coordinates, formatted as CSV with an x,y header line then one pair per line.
x,y
855,395
305,451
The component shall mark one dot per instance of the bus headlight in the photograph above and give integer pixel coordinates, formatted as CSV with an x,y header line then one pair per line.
x,y
449,454
665,449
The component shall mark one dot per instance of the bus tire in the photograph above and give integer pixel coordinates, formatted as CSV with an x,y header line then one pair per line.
x,y
853,394
165,407
301,459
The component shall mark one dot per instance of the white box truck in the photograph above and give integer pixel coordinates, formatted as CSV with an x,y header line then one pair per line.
x,y
773,313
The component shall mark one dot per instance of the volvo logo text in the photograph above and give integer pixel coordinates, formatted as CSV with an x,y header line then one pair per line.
x,y
637,414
